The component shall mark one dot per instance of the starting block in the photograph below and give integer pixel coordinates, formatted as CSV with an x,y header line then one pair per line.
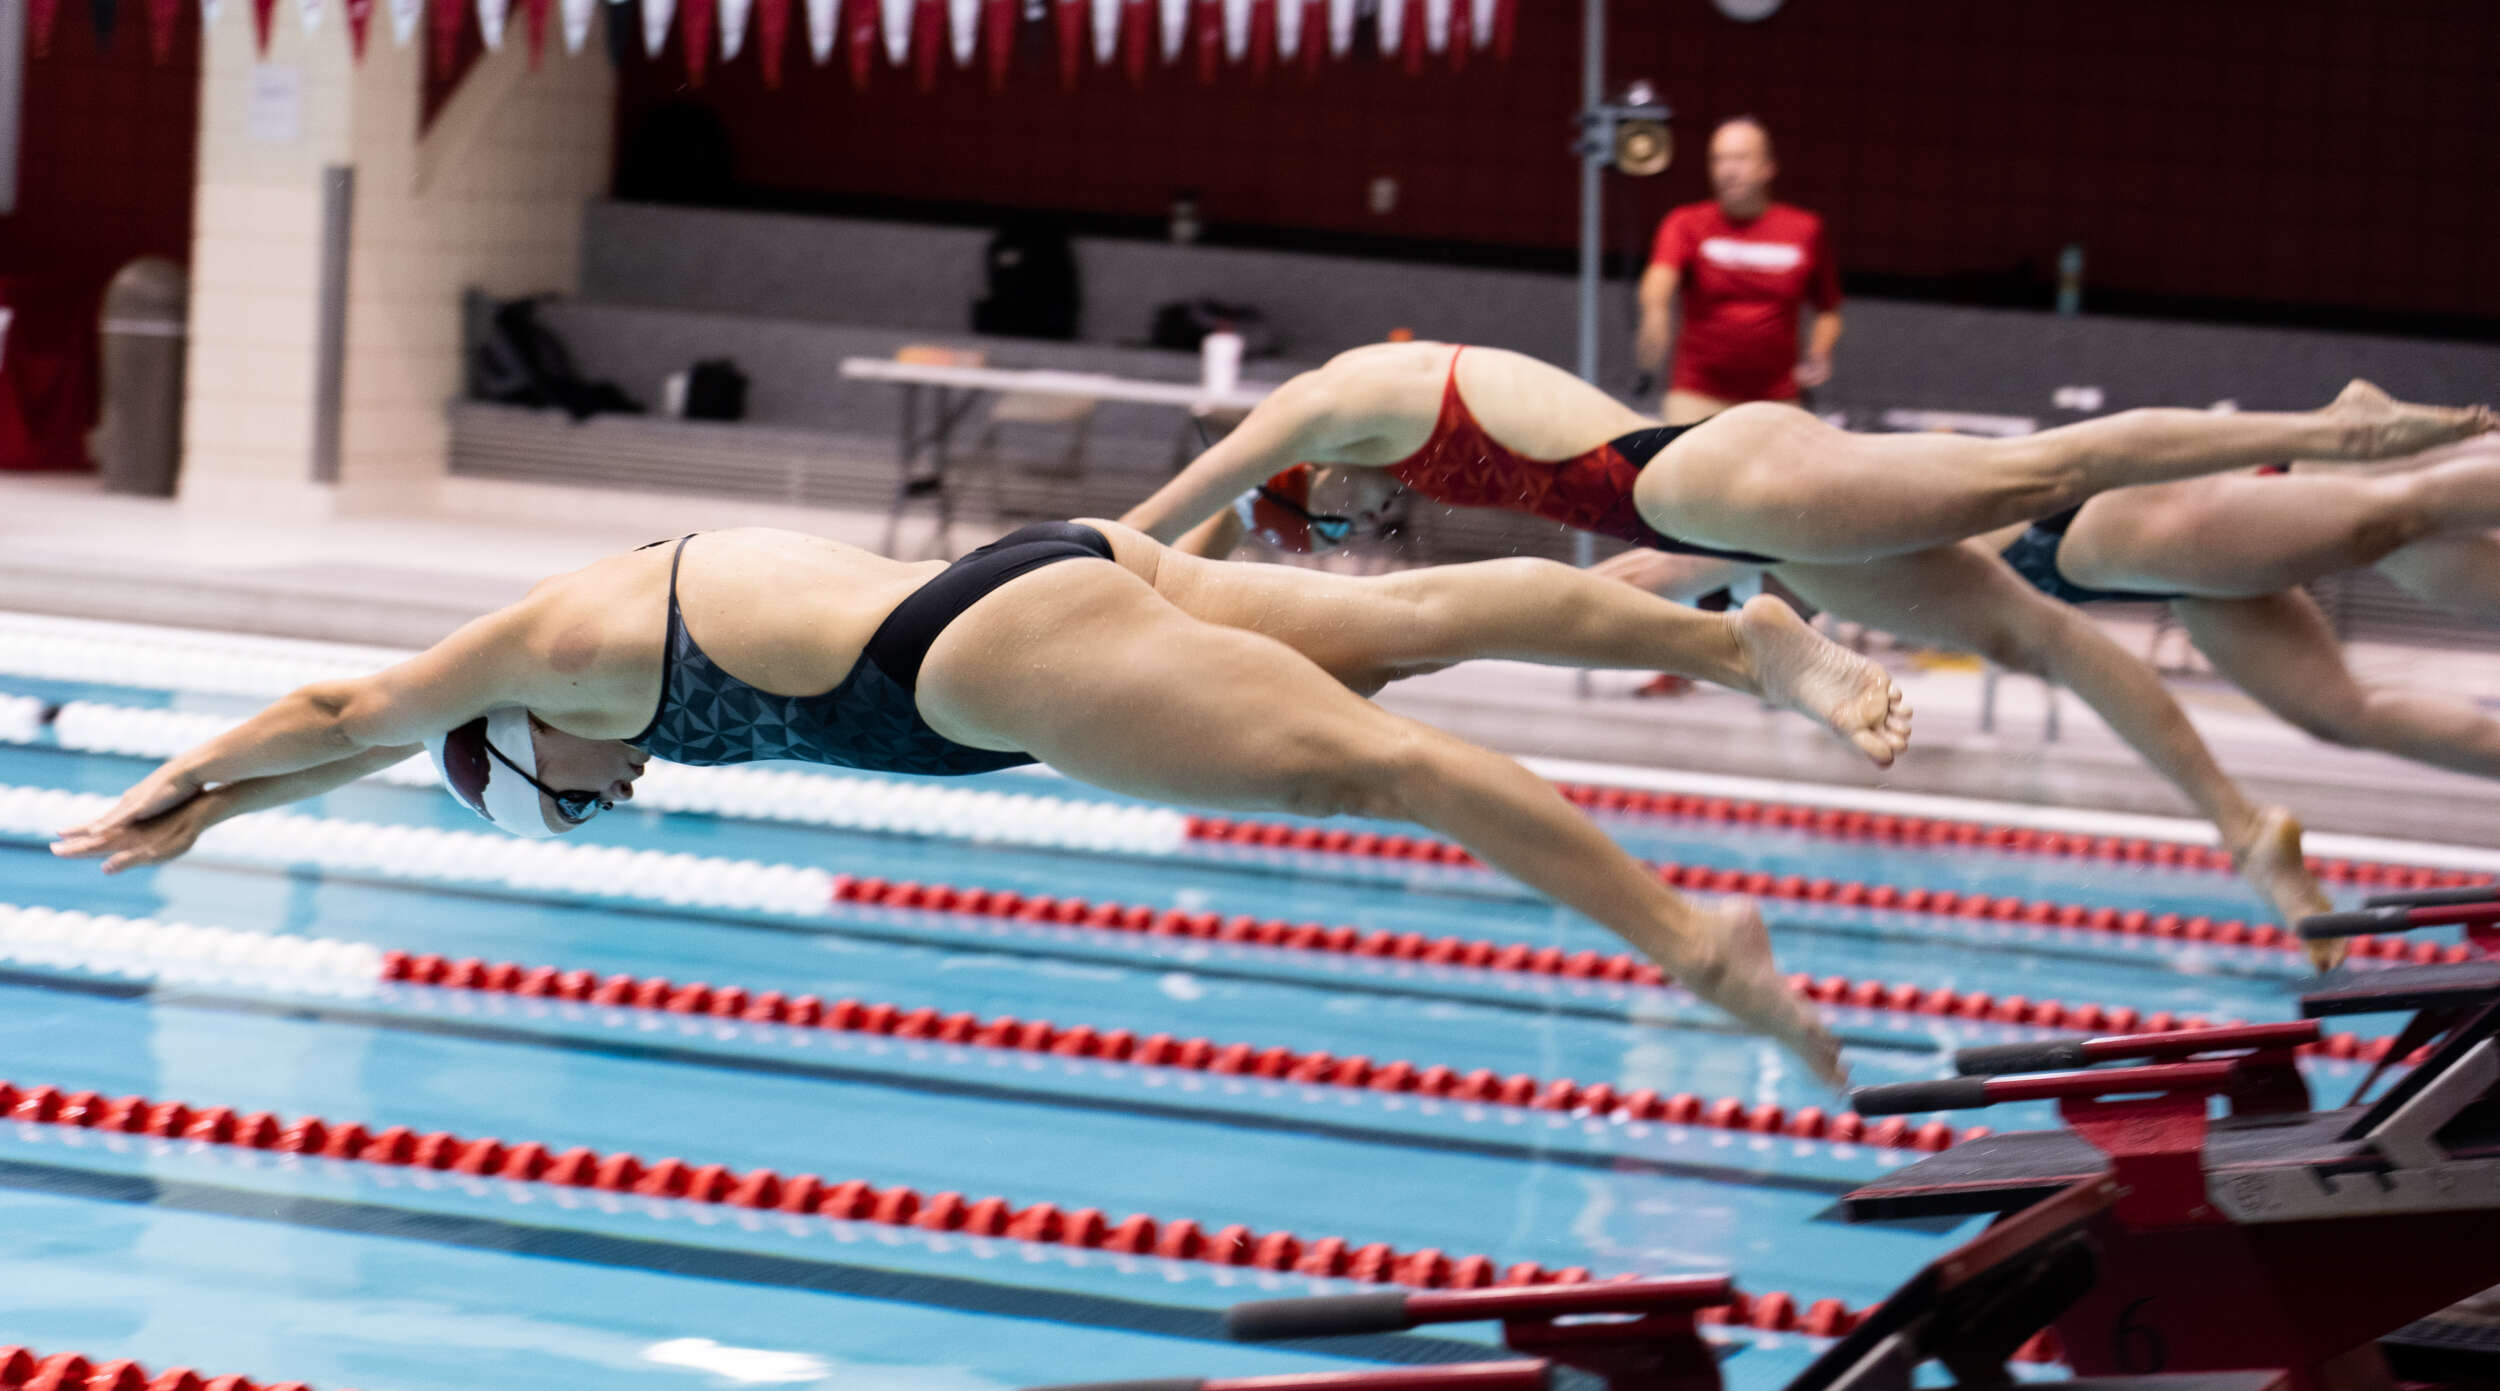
x,y
2275,1235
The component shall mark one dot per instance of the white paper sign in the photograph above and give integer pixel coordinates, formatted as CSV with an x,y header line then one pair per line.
x,y
276,113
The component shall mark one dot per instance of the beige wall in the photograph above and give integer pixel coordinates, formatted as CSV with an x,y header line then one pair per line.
x,y
490,195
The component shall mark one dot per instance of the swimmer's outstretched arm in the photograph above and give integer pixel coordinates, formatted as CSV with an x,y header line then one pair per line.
x,y
170,834
1301,422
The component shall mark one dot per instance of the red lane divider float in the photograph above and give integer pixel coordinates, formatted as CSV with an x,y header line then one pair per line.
x,y
25,1370
850,1200
1627,969
1482,1086
1825,821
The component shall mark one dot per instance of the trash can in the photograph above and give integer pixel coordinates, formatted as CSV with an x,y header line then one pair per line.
x,y
137,441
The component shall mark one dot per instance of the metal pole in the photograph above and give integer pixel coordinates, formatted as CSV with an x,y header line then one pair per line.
x,y
1592,220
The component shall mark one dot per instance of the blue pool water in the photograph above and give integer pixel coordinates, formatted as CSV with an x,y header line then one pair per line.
x,y
343,1274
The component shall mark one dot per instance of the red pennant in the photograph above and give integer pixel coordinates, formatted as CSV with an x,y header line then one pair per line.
x,y
1462,33
928,40
1411,38
772,35
1262,37
163,15
998,35
1314,35
1210,24
535,12
39,21
1505,26
447,16
261,13
1071,16
859,30
1137,37
694,27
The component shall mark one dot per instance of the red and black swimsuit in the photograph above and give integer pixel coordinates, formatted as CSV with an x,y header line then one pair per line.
x,y
1465,467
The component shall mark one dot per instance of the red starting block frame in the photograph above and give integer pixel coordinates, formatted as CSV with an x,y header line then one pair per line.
x,y
2275,1235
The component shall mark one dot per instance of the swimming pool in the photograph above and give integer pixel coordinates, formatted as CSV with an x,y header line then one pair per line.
x,y
1070,1073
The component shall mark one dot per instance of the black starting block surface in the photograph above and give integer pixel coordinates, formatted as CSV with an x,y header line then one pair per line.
x,y
2404,988
2449,1347
1998,1173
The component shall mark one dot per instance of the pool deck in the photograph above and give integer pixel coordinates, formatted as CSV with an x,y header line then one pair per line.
x,y
302,570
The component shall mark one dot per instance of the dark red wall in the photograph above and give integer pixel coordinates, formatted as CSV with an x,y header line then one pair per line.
x,y
2324,153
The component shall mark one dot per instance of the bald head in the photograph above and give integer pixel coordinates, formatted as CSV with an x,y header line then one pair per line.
x,y
1741,167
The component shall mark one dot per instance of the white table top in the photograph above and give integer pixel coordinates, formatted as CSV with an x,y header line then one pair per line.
x,y
1100,386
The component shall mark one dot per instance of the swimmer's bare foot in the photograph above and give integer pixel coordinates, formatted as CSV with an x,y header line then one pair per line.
x,y
2269,857
1738,975
2376,425
1792,665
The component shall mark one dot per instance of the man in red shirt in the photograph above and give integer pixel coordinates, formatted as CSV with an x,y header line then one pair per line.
x,y
1743,265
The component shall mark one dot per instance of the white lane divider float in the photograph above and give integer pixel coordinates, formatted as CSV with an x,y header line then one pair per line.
x,y
144,949
983,816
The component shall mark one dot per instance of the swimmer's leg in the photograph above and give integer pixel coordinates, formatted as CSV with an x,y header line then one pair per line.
x,y
1967,599
2241,536
1369,630
2279,649
1778,481
1682,578
1089,669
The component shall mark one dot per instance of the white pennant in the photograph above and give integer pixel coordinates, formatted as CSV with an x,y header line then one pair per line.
x,y
821,17
1106,14
1288,29
1341,27
963,28
896,24
1236,29
1392,25
210,9
1482,28
490,18
733,27
577,15
404,17
656,15
309,11
1175,27
1437,25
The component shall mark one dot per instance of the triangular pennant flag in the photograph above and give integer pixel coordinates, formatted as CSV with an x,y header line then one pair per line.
x,y
490,17
824,27
963,30
619,21
1262,37
859,30
1071,15
1315,31
998,34
1505,26
1390,26
261,13
40,18
1437,25
1137,37
772,37
656,15
443,27
1341,27
577,17
535,13
1210,26
894,23
1480,20
733,28
694,25
308,13
1289,28
405,15
104,15
928,38
163,15
1462,33
1105,18
1174,28
1411,40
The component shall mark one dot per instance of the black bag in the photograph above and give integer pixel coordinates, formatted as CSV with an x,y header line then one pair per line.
x,y
1182,323
716,390
1032,281
519,361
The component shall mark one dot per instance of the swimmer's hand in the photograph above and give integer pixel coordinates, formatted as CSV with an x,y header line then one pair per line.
x,y
154,821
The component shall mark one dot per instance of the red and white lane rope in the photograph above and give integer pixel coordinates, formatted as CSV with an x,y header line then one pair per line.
x,y
23,1369
225,664
848,1200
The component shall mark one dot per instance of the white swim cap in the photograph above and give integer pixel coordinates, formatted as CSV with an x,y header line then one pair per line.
x,y
480,780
